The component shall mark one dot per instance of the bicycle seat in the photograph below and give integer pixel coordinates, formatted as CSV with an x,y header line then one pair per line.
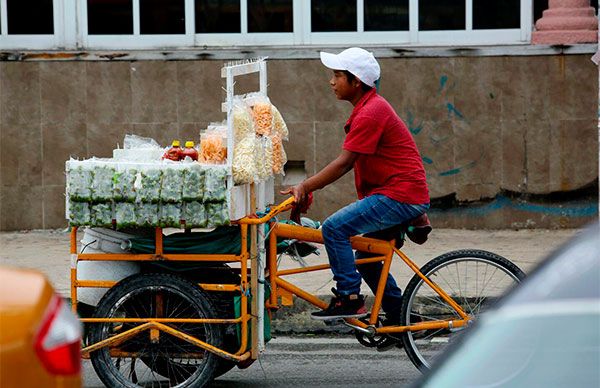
x,y
416,229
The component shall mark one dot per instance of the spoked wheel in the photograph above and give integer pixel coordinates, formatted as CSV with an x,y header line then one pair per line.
x,y
474,279
153,358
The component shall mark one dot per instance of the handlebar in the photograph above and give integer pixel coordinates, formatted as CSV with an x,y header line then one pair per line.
x,y
276,209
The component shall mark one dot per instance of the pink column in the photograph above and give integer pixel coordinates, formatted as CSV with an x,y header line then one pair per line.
x,y
566,22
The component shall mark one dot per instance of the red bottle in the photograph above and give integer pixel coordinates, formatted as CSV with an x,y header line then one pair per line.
x,y
174,153
190,151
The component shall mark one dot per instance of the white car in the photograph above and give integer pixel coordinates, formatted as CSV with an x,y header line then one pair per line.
x,y
545,333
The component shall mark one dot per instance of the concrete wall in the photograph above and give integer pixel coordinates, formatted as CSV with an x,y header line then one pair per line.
x,y
486,126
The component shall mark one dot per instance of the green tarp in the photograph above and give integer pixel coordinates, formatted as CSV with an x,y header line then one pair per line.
x,y
223,240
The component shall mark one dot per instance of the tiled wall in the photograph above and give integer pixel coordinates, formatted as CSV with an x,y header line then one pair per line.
x,y
483,124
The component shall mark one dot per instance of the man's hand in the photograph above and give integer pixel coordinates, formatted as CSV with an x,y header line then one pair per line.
x,y
303,200
300,194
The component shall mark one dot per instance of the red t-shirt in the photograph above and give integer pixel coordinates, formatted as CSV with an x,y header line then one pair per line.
x,y
388,162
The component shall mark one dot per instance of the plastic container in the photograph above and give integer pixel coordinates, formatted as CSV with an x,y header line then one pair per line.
x,y
174,153
99,240
190,151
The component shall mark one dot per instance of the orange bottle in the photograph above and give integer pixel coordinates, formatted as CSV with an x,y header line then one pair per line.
x,y
190,151
174,153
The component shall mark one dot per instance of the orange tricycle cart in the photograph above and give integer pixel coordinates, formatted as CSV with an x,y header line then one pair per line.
x,y
185,317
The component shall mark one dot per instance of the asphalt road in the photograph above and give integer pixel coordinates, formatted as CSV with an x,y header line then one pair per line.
x,y
310,361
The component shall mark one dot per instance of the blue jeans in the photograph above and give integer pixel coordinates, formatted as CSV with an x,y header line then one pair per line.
x,y
368,216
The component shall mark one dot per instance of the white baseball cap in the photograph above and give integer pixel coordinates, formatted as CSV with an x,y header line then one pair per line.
x,y
357,61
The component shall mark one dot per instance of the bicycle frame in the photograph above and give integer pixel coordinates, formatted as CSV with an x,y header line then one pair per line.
x,y
385,251
280,288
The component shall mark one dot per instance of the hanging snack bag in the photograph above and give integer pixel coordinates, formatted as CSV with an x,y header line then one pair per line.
x,y
264,157
213,145
102,182
79,181
193,183
279,126
172,184
170,215
79,213
146,214
243,123
279,156
102,215
124,184
194,215
244,161
217,214
125,215
215,187
149,184
262,115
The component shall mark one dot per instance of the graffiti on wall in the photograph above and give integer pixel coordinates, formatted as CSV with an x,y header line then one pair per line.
x,y
427,132
417,127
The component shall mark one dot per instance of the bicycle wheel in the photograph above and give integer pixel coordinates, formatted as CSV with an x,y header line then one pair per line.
x,y
164,360
474,279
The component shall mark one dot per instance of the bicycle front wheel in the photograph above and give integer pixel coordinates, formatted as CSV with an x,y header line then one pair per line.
x,y
474,279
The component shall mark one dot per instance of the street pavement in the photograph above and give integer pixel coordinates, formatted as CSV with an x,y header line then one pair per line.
x,y
312,361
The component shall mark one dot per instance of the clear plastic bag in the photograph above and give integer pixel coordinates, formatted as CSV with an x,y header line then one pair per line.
x,y
124,184
102,182
149,185
102,215
193,183
125,215
194,214
135,141
244,161
243,123
172,184
262,115
79,181
213,145
79,213
217,214
215,189
264,158
170,215
146,214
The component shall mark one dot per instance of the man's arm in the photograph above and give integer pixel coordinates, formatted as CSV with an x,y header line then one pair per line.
x,y
332,172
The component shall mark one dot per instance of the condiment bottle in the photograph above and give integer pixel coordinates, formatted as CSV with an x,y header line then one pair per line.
x,y
173,153
190,151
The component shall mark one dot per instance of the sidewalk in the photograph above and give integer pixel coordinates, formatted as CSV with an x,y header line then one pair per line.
x,y
48,251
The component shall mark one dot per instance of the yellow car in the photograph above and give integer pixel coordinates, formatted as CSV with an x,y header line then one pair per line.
x,y
40,337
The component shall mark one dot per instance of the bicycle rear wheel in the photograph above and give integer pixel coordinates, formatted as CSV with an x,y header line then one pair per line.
x,y
475,279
